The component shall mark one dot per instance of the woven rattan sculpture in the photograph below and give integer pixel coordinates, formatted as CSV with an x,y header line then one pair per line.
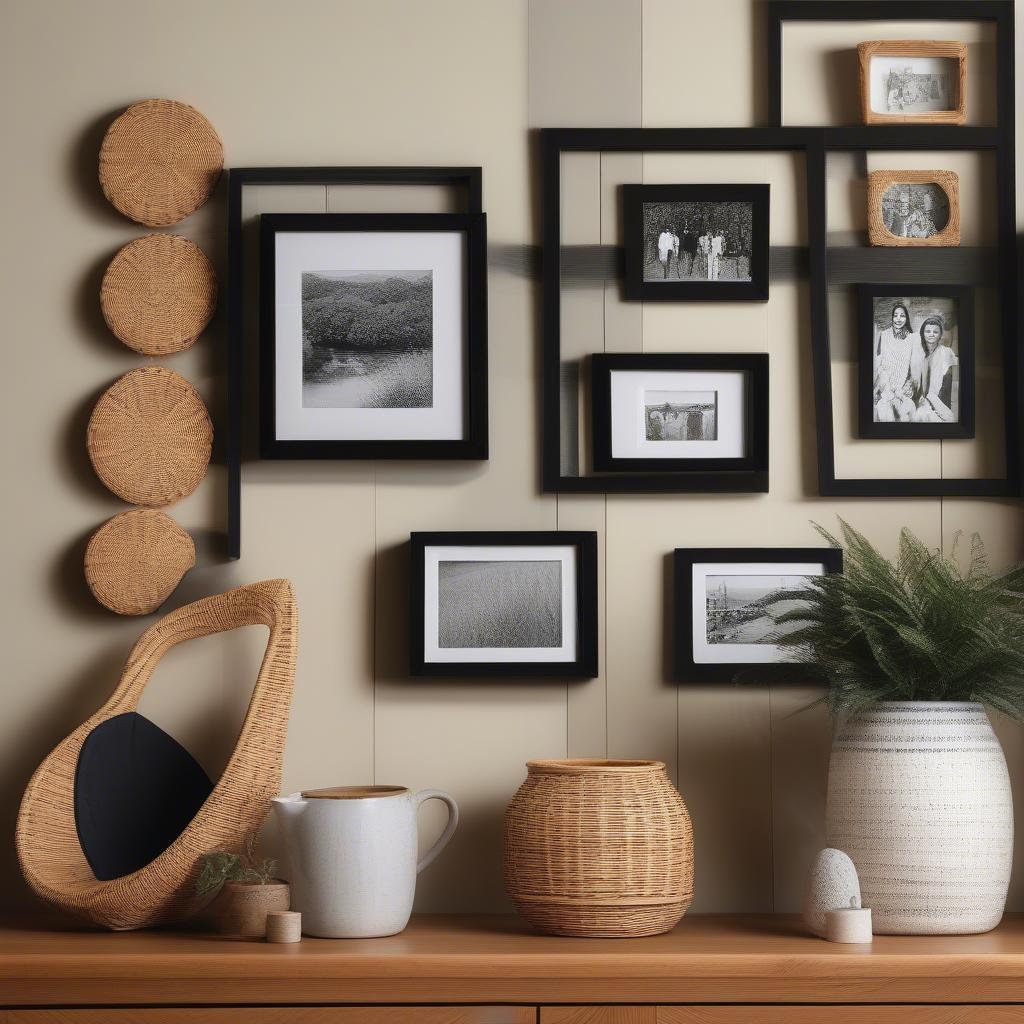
x,y
150,436
599,848
160,161
135,560
158,294
46,837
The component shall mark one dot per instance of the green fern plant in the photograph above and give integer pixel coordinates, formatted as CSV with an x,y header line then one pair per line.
x,y
919,628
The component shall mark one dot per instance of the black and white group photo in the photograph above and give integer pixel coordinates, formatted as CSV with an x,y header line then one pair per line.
x,y
367,339
703,241
741,609
681,415
915,210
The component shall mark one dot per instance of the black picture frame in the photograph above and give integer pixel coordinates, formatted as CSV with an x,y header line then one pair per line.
x,y
635,197
473,445
684,559
585,665
754,366
867,427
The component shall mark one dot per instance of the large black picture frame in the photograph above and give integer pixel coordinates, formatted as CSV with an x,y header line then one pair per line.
x,y
473,445
753,365
635,197
684,559
585,665
824,267
868,428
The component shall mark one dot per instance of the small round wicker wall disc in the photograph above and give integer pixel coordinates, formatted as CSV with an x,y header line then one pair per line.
x,y
160,161
135,561
158,294
149,437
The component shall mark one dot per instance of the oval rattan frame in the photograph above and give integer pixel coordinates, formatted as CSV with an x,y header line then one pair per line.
x,y
136,560
150,437
160,161
163,891
158,294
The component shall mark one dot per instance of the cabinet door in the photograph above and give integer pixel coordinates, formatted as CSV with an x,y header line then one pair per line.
x,y
283,1015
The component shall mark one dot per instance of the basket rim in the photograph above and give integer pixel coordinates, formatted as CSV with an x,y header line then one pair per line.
x,y
585,765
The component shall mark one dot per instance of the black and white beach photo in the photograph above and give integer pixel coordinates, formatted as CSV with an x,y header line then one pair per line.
x,y
681,415
740,608
499,604
912,210
367,339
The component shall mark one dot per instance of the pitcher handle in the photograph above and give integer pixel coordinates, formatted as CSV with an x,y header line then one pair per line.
x,y
453,819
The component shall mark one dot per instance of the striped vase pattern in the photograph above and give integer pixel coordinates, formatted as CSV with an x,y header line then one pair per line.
x,y
919,798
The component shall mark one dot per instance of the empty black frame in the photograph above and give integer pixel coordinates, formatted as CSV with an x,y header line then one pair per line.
x,y
585,665
867,427
473,445
749,470
684,559
468,179
635,197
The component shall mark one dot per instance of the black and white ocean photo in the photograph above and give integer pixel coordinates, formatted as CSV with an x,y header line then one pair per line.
x,y
698,241
740,608
367,339
681,415
499,604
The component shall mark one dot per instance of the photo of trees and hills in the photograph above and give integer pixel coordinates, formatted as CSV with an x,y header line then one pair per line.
x,y
367,339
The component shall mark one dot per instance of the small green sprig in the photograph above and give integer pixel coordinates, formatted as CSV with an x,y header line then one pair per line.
x,y
244,867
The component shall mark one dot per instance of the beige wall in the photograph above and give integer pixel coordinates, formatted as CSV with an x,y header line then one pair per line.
x,y
400,81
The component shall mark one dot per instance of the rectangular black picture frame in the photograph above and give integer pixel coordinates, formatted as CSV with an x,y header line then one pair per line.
x,y
867,427
754,365
686,669
474,444
634,198
585,665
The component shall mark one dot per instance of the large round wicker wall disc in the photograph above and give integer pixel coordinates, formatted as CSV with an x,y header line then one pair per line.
x,y
149,437
159,162
158,294
135,560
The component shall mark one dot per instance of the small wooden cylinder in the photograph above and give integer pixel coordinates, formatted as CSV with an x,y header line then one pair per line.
x,y
284,926
849,924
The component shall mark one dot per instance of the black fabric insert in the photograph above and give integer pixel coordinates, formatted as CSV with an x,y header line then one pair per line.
x,y
136,788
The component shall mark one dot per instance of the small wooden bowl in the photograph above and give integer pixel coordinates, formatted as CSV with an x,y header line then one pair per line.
x,y
136,560
150,437
160,161
158,294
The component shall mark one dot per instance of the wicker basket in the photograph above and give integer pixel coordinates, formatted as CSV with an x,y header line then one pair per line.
x,y
159,162
136,560
150,436
158,294
599,848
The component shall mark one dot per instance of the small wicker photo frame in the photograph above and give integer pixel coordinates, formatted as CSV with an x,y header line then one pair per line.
x,y
160,161
136,560
909,216
903,86
150,436
158,294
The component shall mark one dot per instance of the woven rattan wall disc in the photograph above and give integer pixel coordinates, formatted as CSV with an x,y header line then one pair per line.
x,y
135,560
160,161
149,437
158,294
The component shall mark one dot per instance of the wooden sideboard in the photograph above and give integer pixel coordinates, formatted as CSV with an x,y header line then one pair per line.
x,y
493,970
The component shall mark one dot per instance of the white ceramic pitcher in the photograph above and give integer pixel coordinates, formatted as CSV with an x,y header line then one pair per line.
x,y
351,856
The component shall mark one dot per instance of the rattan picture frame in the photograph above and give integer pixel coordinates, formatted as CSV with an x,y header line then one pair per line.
x,y
880,182
951,49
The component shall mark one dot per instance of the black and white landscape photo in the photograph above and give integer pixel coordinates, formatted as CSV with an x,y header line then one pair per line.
x,y
499,604
367,339
698,241
915,210
681,415
740,608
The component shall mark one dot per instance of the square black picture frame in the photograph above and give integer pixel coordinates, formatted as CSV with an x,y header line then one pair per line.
x,y
473,445
684,559
585,665
867,427
754,366
635,197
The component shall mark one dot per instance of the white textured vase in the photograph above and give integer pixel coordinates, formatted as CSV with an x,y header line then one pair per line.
x,y
919,798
